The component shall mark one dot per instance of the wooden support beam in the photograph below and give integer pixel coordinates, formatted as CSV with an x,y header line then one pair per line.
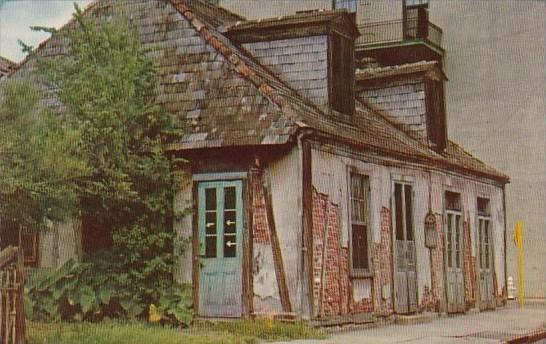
x,y
195,251
307,214
277,254
248,285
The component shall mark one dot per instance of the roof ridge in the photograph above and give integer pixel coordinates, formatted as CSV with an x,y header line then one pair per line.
x,y
18,66
211,36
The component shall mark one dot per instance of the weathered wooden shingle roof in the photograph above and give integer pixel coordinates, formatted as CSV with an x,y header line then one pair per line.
x,y
223,97
399,70
6,66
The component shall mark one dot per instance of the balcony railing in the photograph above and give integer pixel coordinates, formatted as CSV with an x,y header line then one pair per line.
x,y
399,30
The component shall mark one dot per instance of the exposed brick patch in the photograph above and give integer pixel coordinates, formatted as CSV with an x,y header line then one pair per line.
x,y
260,229
335,296
469,268
428,300
382,262
437,267
330,272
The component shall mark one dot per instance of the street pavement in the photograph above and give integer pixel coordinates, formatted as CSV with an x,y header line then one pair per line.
x,y
496,326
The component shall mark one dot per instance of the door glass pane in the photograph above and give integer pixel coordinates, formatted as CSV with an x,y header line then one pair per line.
x,y
458,241
210,199
449,242
230,198
409,215
398,211
211,227
230,222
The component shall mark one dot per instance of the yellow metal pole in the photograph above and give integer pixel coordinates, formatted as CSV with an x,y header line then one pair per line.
x,y
518,240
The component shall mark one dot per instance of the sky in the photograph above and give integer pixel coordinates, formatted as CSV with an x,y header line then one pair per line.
x,y
17,16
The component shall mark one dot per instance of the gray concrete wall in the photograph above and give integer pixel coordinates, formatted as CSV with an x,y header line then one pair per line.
x,y
495,58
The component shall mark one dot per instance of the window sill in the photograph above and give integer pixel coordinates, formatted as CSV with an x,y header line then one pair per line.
x,y
361,274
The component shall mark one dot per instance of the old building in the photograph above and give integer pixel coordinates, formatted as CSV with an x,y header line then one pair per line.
x,y
479,57
316,191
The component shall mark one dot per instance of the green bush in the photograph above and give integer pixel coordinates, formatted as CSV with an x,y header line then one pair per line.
x,y
99,290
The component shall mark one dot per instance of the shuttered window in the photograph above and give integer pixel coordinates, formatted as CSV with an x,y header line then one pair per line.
x,y
360,198
342,71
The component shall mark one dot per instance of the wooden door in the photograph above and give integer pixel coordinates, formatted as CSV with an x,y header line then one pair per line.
x,y
220,248
485,263
405,279
454,262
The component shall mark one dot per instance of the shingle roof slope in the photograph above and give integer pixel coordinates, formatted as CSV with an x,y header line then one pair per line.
x,y
407,68
6,65
223,97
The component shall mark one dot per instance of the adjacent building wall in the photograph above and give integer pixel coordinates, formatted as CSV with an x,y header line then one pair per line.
x,y
495,58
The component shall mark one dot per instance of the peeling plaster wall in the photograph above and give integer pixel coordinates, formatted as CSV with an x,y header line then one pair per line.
x,y
283,176
330,178
285,187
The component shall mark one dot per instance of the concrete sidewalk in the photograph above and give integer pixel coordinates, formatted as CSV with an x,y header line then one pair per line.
x,y
486,327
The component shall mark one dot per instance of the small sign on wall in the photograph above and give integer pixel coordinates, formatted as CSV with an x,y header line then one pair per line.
x,y
431,236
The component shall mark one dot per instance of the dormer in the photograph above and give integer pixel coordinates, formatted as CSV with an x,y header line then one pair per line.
x,y
311,51
410,95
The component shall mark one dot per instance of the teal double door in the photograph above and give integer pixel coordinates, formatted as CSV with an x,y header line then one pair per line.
x,y
220,223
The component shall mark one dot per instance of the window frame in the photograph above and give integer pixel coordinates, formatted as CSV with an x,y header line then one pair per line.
x,y
32,259
359,272
459,211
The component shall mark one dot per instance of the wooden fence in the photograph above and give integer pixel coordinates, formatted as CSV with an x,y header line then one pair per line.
x,y
12,313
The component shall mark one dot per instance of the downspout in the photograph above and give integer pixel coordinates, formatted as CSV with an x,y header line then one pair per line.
x,y
505,233
306,301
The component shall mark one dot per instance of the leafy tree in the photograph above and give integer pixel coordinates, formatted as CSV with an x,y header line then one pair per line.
x,y
39,164
108,90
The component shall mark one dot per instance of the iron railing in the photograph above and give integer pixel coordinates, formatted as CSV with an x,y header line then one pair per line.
x,y
399,30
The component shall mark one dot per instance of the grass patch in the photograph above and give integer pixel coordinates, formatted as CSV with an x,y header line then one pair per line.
x,y
229,332
263,329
